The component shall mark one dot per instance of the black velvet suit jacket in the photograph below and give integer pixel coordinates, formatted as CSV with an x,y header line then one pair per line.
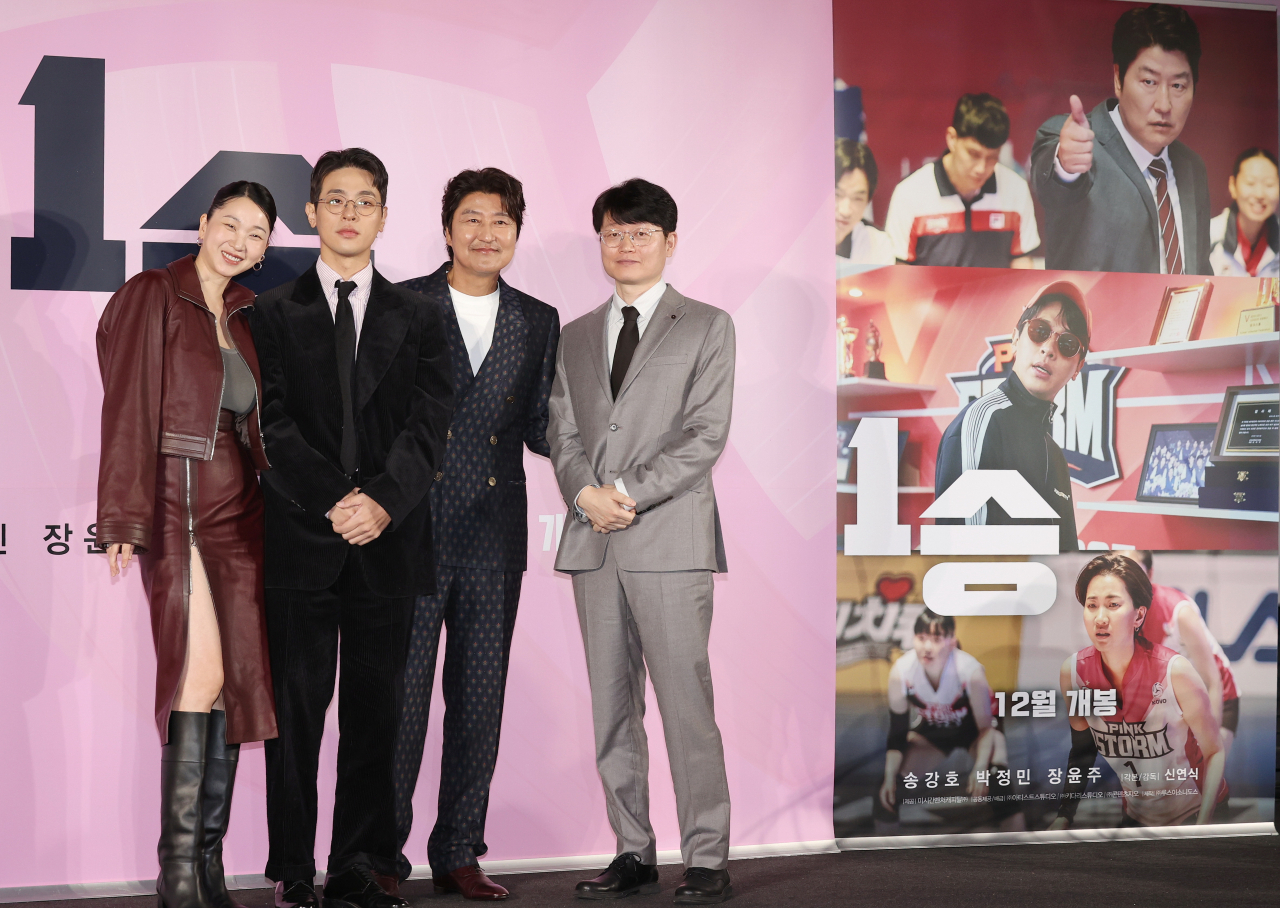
x,y
403,398
478,503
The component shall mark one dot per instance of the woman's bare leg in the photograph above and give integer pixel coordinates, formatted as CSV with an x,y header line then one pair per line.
x,y
200,687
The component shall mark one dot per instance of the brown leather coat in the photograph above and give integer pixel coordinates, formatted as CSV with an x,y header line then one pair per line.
x,y
162,390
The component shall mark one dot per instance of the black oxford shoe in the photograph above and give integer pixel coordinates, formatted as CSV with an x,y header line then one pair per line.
x,y
356,887
296,894
703,887
625,876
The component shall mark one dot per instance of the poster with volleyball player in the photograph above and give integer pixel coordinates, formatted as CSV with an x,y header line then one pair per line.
x,y
1143,696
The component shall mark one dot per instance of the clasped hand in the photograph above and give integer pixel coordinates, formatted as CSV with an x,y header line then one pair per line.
x,y
358,519
607,508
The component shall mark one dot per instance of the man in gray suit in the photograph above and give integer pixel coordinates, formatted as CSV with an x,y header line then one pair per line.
x,y
1141,201
639,415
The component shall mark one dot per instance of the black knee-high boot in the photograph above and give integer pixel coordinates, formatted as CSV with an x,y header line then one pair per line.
x,y
220,763
182,763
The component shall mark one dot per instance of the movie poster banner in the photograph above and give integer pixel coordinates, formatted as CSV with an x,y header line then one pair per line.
x,y
1147,436
953,723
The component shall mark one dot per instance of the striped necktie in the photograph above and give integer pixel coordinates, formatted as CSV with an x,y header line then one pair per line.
x,y
1168,223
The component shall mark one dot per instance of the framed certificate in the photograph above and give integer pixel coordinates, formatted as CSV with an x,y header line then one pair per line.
x,y
1259,320
1249,427
1181,314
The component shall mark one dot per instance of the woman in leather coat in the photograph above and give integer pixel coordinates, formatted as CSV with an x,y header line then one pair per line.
x,y
177,486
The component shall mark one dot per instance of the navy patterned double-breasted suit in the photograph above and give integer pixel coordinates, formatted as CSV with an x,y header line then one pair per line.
x,y
480,535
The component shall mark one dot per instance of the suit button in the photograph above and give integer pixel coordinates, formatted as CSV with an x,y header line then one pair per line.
x,y
493,439
449,434
440,476
493,481
511,400
614,427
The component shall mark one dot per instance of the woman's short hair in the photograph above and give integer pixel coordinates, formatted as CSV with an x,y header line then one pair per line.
x,y
1129,571
487,180
929,622
359,158
851,155
636,201
246,189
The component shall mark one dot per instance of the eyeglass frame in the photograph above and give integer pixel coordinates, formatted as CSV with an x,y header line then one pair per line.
x,y
354,203
631,234
1056,336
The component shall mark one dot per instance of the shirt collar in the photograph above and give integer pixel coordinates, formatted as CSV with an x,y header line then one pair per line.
x,y
945,188
646,302
1140,155
329,277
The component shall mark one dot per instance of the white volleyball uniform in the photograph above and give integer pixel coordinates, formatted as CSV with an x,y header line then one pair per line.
x,y
944,717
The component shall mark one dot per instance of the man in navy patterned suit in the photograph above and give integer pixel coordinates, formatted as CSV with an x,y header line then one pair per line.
x,y
503,345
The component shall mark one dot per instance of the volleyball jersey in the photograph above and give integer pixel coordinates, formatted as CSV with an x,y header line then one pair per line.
x,y
1147,736
1160,627
943,717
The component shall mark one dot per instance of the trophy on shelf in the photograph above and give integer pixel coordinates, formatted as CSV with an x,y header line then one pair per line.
x,y
846,337
873,368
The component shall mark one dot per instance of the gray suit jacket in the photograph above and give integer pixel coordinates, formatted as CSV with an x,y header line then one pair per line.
x,y
661,436
1107,220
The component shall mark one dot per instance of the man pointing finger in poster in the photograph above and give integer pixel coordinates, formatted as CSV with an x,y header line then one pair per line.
x,y
1120,192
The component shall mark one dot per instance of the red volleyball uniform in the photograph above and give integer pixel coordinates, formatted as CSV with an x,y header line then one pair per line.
x,y
1148,735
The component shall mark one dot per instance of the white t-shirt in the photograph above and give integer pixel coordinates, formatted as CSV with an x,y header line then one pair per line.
x,y
477,316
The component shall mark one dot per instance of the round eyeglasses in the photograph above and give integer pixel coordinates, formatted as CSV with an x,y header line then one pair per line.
x,y
338,205
642,237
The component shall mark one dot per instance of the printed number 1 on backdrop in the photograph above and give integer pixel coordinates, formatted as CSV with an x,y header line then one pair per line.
x,y
877,531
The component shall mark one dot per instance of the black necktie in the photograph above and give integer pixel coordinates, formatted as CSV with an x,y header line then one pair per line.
x,y
344,332
628,340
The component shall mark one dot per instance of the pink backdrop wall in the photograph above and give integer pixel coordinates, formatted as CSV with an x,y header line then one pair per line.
x,y
725,103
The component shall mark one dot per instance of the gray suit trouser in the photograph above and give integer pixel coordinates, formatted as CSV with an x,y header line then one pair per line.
x,y
661,619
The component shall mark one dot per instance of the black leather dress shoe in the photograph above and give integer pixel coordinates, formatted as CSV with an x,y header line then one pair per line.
x,y
703,887
296,894
625,876
356,887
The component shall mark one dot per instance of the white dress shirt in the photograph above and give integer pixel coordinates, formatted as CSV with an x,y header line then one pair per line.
x,y
645,303
477,316
1143,159
359,297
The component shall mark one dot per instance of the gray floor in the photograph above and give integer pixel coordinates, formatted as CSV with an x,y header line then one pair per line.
x,y
1235,872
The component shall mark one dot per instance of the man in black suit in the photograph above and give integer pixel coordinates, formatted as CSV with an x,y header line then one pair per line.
x,y
503,346
1141,201
355,440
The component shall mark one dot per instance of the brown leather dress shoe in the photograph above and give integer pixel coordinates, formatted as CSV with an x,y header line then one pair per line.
x,y
472,883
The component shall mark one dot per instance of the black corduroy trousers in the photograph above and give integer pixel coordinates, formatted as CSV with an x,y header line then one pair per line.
x,y
304,628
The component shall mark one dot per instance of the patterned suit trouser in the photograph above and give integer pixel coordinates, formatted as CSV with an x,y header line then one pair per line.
x,y
478,609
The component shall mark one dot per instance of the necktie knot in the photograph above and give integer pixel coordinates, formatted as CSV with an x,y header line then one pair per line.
x,y
630,315
1157,169
345,289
